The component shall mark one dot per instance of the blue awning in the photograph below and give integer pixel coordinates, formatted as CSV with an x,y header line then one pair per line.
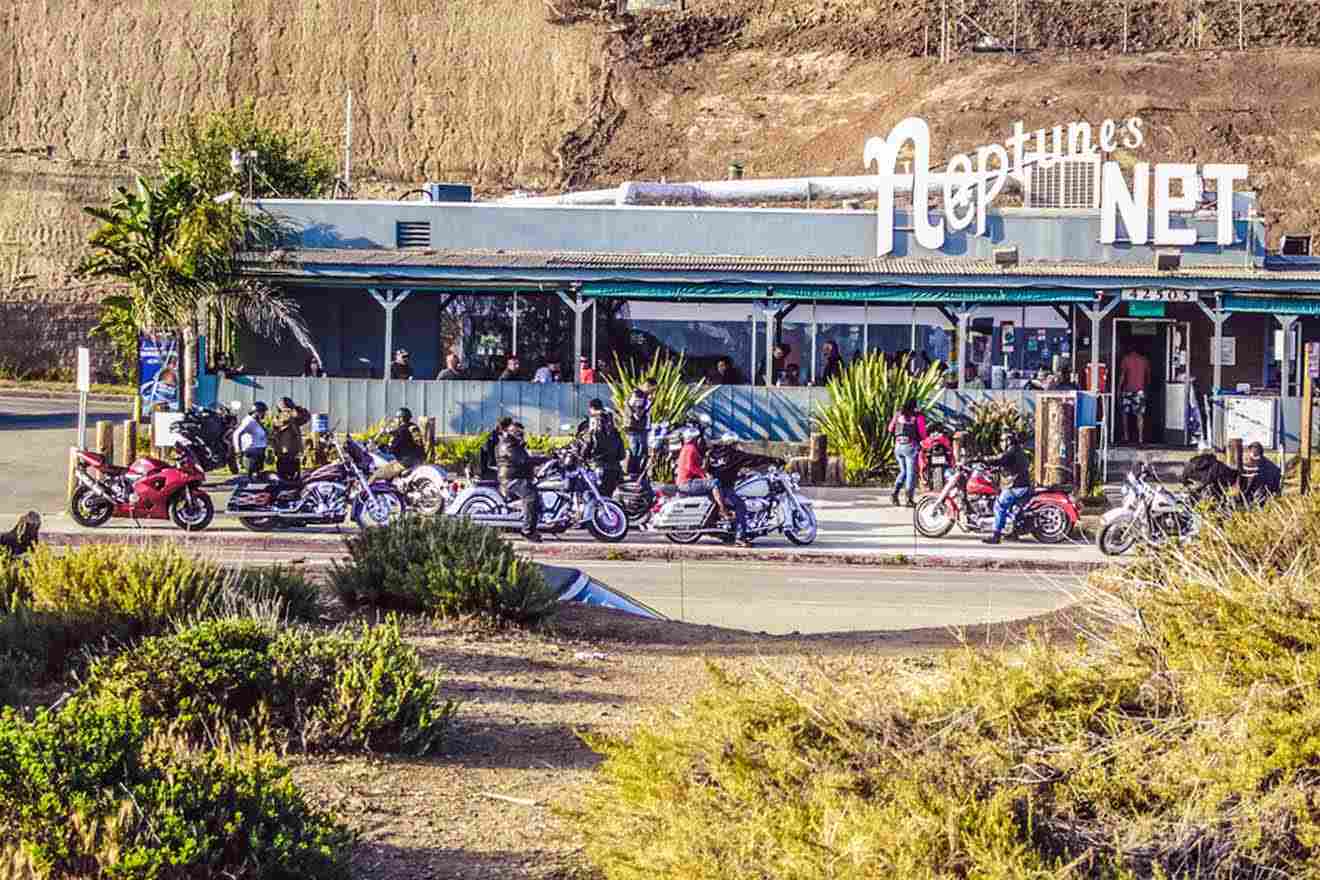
x,y
1273,305
833,293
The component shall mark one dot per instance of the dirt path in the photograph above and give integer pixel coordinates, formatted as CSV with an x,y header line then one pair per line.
x,y
526,698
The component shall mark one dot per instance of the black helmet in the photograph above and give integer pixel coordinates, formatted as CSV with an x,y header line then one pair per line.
x,y
404,414
286,403
259,406
1008,437
596,404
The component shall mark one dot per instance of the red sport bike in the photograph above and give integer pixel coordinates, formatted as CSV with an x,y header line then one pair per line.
x,y
935,461
149,488
968,501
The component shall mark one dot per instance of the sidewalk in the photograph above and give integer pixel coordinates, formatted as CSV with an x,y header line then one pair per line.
x,y
857,532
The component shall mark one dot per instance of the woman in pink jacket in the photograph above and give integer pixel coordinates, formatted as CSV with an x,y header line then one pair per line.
x,y
908,427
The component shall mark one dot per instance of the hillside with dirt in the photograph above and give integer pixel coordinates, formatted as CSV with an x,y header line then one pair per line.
x,y
549,94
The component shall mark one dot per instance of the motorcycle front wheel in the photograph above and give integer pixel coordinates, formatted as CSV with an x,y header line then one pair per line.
x,y
931,517
1050,524
1117,537
89,509
387,507
192,511
683,537
804,528
608,522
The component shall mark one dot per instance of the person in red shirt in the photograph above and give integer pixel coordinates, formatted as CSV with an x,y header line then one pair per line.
x,y
908,428
1133,383
691,478
586,372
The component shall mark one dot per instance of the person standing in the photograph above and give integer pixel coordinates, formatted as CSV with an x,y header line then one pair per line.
x,y
512,370
1133,383
908,428
602,447
1015,465
517,480
453,368
725,373
833,366
250,439
586,372
401,367
545,374
312,368
286,431
637,425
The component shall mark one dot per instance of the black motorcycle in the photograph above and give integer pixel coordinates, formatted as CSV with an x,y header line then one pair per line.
x,y
209,432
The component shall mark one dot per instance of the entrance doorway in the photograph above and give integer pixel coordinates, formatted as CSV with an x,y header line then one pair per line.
x,y
1164,342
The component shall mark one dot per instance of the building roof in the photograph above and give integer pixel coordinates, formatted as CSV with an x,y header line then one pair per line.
x,y
386,266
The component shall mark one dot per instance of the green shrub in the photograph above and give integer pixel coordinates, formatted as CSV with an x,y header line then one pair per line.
x,y
1181,744
988,421
286,591
458,454
444,565
863,400
12,590
84,791
239,675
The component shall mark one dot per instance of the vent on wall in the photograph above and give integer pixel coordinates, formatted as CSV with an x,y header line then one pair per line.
x,y
1065,183
412,234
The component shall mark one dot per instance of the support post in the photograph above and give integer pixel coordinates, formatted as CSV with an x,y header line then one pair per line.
x,y
964,318
389,301
912,342
579,307
1285,380
771,329
105,439
1087,441
1097,314
1235,453
1217,317
1304,433
866,329
515,323
813,343
751,369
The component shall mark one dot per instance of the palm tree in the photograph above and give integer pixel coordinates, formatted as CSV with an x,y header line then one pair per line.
x,y
177,250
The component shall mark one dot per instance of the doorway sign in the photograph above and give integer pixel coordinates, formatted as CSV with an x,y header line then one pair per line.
x,y
1142,309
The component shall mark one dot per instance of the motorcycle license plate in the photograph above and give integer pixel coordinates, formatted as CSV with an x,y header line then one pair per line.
x,y
937,459
1114,515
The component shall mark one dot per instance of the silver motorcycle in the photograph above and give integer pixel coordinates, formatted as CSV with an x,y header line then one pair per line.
x,y
570,498
1149,514
773,503
426,487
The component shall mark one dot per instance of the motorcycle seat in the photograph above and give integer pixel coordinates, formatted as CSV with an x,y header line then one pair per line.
x,y
1059,488
486,484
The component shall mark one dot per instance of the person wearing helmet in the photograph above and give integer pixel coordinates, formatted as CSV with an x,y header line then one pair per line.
x,y
1015,465
517,471
601,445
286,431
405,441
637,424
690,476
250,439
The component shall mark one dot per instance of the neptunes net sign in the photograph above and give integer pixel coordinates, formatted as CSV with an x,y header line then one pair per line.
x,y
970,185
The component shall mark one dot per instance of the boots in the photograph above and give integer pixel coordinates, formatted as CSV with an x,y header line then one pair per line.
x,y
993,539
911,502
893,498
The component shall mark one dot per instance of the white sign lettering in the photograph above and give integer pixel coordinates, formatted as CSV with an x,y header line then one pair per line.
x,y
969,186
1169,296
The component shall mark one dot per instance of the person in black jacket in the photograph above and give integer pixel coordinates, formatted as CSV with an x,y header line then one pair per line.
x,y
486,465
1017,468
405,441
833,366
518,477
601,445
637,425
1261,478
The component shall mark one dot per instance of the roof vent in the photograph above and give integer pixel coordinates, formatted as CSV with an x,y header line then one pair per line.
x,y
412,234
1073,182
1295,246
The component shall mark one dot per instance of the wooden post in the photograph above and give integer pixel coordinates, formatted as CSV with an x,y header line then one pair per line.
x,y
105,439
1304,438
1235,453
128,443
1042,442
819,453
1088,440
959,447
1060,441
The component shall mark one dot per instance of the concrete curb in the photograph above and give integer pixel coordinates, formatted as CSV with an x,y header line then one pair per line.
x,y
603,552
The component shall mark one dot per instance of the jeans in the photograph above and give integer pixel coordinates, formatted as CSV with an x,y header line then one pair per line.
x,y
287,467
607,480
255,458
531,502
1008,499
735,501
637,453
906,455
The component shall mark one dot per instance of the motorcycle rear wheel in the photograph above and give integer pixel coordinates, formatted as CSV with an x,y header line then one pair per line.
x,y
387,508
1117,537
683,537
89,509
931,518
194,516
608,522
260,523
1050,524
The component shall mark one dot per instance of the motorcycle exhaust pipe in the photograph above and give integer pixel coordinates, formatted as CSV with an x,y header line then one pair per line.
x,y
95,487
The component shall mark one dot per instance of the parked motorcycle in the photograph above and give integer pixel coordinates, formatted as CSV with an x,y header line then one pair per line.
x,y
968,501
935,461
209,431
569,499
324,497
637,497
427,488
1149,513
149,488
773,502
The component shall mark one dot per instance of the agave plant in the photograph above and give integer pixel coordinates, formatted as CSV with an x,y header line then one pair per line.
x,y
674,397
988,421
863,399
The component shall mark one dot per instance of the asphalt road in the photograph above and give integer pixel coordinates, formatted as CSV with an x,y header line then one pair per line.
x,y
782,599
35,436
